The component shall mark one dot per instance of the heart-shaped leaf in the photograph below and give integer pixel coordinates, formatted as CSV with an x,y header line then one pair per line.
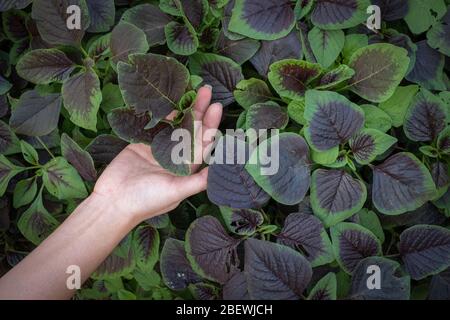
x,y
325,288
288,47
305,233
176,270
82,97
400,184
146,247
291,78
332,119
43,66
260,19
286,174
152,83
36,223
181,38
126,39
223,74
352,243
51,17
426,117
14,25
275,271
397,105
267,115
251,91
393,285
102,13
237,50
326,45
210,250
428,68
35,114
425,250
437,35
379,68
376,118
370,143
229,184
150,19
62,180
339,14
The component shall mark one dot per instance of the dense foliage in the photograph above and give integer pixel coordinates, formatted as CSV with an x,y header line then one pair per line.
x,y
364,144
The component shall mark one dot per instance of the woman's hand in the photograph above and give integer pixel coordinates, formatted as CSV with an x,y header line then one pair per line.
x,y
133,188
138,186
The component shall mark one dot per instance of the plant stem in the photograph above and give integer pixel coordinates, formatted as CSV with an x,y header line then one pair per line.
x,y
45,147
191,205
85,54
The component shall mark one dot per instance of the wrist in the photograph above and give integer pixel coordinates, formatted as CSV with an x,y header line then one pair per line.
x,y
107,207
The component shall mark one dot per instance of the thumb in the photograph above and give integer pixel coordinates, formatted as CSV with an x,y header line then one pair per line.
x,y
189,185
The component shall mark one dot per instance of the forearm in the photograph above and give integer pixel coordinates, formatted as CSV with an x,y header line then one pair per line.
x,y
85,239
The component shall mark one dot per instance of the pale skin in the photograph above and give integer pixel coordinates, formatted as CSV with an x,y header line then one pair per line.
x,y
133,188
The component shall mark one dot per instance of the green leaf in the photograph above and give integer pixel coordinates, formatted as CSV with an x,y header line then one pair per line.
x,y
79,158
335,77
370,143
123,294
353,42
29,153
325,288
369,220
338,14
36,114
397,105
326,45
152,83
62,180
146,247
44,66
296,109
336,195
5,86
24,192
332,119
82,97
7,171
51,20
260,19
443,141
111,98
126,39
325,158
291,78
379,69
252,91
352,243
181,38
422,14
36,223
9,143
376,118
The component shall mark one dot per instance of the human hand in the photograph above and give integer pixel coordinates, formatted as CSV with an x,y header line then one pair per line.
x,y
137,186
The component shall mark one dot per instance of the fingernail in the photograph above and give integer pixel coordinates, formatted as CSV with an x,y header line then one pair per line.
x,y
208,86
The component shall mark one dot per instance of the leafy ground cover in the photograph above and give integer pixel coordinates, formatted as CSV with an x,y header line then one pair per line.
x,y
364,144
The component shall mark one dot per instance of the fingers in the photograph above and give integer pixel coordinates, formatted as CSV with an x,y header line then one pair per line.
x,y
189,185
202,101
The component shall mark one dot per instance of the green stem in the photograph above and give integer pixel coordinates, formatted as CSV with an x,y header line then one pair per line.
x,y
45,147
85,54
191,205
